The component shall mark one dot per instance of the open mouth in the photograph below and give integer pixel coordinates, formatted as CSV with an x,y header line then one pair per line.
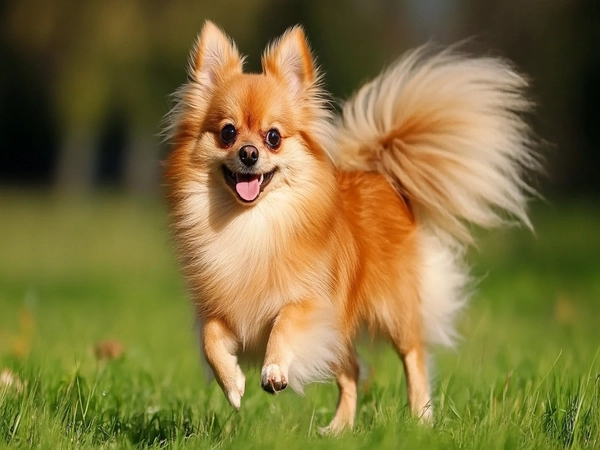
x,y
247,186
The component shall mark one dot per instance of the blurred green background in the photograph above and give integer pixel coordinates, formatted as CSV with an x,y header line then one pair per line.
x,y
84,84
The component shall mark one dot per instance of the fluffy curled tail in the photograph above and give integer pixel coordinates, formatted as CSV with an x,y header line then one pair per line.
x,y
448,132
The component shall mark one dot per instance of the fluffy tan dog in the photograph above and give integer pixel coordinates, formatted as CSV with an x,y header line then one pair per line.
x,y
297,229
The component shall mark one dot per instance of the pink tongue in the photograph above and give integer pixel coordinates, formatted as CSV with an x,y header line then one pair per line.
x,y
247,186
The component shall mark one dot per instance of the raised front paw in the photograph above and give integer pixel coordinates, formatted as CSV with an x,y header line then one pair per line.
x,y
273,380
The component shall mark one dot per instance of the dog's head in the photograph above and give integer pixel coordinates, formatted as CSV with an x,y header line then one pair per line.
x,y
253,133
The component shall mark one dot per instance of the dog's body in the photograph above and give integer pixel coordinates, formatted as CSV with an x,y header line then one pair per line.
x,y
295,232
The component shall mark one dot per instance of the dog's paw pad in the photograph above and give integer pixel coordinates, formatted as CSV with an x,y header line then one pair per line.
x,y
272,379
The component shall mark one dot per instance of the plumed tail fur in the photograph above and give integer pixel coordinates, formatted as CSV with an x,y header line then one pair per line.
x,y
447,131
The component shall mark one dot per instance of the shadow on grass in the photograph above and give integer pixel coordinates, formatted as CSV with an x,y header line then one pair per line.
x,y
158,428
570,419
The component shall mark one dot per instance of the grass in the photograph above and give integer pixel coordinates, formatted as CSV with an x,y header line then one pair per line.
x,y
75,272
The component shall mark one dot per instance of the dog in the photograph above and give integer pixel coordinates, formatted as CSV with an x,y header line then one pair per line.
x,y
296,228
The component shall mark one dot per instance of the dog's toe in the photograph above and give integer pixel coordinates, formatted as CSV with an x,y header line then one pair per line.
x,y
272,379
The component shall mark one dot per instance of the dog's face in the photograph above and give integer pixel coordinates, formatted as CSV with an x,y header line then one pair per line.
x,y
257,133
250,135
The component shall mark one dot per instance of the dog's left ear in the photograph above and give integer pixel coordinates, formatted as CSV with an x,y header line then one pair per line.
x,y
289,58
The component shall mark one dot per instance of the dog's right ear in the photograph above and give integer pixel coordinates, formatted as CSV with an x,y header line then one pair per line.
x,y
213,57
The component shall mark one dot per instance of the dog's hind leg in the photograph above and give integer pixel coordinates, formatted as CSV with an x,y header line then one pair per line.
x,y
415,368
347,381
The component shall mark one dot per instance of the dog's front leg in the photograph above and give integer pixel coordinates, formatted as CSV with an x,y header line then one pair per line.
x,y
301,347
220,347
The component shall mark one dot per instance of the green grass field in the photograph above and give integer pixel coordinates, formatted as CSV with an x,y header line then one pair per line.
x,y
75,272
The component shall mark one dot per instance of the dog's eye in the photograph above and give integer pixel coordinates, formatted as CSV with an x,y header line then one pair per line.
x,y
228,134
273,139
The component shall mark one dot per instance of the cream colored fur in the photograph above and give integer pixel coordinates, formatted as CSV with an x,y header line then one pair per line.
x,y
467,144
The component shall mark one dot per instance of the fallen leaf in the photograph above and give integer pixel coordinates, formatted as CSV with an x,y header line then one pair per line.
x,y
108,350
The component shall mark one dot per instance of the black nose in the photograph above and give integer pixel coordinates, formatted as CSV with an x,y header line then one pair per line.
x,y
248,155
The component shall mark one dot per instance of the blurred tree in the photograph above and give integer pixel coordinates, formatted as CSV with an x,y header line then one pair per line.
x,y
556,43
95,63
56,35
97,57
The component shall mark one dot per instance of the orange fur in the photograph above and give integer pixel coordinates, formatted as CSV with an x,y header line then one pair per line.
x,y
322,251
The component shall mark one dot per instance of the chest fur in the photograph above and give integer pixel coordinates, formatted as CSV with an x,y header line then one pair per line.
x,y
251,266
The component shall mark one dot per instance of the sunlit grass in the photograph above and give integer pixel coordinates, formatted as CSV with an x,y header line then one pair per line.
x,y
74,272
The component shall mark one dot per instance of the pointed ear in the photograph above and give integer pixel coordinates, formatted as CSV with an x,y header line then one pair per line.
x,y
213,56
289,59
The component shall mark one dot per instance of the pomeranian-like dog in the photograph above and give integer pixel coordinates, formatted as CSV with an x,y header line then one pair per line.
x,y
297,229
